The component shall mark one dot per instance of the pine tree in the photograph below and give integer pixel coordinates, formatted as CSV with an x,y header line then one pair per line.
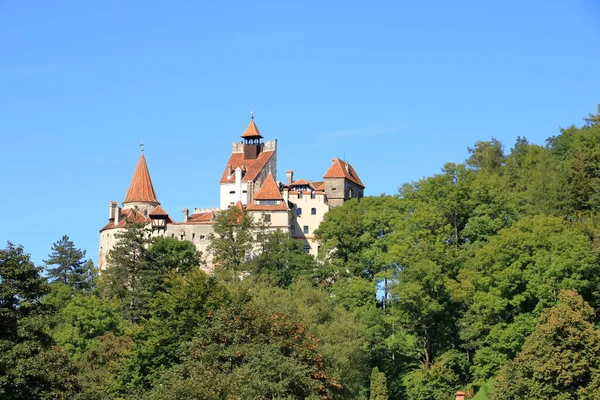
x,y
65,264
124,278
378,385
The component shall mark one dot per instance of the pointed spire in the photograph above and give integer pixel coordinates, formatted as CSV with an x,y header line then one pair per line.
x,y
251,131
141,189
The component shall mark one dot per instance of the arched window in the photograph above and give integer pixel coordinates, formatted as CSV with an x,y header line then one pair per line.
x,y
299,212
313,211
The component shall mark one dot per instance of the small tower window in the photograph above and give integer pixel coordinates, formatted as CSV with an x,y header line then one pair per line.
x,y
299,212
307,248
293,229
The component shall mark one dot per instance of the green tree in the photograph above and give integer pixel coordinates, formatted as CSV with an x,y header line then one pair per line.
x,y
512,278
66,264
378,389
281,259
559,360
29,366
232,240
126,278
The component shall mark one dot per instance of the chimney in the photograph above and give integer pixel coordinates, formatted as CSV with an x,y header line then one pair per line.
x,y
186,214
117,214
229,171
112,206
347,169
459,395
290,176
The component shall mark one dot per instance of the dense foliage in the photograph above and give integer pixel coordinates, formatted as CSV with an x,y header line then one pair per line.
x,y
483,278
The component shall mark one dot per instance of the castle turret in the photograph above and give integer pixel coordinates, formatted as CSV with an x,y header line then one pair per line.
x,y
141,191
342,183
252,141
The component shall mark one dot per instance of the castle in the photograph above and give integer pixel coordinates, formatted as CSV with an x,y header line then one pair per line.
x,y
248,182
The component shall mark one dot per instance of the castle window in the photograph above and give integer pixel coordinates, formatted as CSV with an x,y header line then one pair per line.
x,y
299,195
293,228
312,194
299,212
313,211
305,228
267,218
202,237
307,248
193,236
350,193
232,192
333,189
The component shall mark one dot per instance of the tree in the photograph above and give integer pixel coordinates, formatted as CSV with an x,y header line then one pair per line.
x,y
378,390
232,240
512,278
65,264
125,278
29,366
559,360
281,259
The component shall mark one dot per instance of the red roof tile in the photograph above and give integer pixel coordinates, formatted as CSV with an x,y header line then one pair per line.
x,y
318,185
127,216
341,169
269,190
141,189
158,210
300,182
205,217
251,131
252,167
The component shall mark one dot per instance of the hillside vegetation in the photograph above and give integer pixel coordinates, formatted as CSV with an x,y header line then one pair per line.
x,y
484,277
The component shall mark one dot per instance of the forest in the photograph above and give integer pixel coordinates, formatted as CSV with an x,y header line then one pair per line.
x,y
483,278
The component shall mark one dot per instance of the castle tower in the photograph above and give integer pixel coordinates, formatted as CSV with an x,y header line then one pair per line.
x,y
250,162
342,183
141,191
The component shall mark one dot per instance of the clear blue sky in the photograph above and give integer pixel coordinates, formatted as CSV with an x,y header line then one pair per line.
x,y
399,87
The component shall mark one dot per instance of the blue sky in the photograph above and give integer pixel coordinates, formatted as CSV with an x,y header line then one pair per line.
x,y
397,87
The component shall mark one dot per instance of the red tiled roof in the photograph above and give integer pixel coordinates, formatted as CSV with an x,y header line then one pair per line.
x,y
269,190
141,189
158,210
252,167
205,217
318,185
251,131
127,216
341,169
300,182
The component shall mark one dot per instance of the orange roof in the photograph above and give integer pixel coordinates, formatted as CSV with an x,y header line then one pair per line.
x,y
252,167
300,182
318,185
269,190
202,218
341,169
127,216
158,210
251,131
141,189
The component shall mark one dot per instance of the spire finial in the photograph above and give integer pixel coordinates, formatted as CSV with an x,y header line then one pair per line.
x,y
142,146
252,114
